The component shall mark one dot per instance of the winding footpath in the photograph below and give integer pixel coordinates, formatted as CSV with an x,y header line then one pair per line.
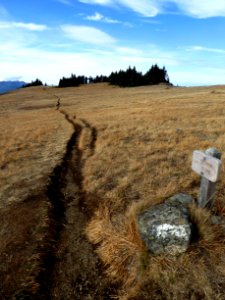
x,y
71,268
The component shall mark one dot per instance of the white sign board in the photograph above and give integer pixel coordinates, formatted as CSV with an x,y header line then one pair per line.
x,y
206,165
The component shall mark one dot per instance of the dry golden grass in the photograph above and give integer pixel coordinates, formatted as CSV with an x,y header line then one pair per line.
x,y
33,140
145,139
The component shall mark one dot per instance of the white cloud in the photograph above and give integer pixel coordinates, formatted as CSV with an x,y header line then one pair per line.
x,y
129,51
147,8
26,62
100,2
201,8
205,49
14,78
145,61
20,25
24,55
86,34
20,58
99,17
95,17
143,7
18,61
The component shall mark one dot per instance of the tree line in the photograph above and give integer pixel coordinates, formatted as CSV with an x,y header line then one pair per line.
x,y
129,78
36,82
72,81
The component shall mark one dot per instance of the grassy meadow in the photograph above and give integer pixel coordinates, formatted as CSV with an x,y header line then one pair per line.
x,y
73,177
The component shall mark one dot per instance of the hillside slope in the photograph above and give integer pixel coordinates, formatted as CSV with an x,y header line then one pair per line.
x,y
77,164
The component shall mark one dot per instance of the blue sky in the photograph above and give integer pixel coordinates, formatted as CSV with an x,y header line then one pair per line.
x,y
48,39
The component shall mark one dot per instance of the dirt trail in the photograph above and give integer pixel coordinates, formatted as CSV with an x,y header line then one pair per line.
x,y
72,269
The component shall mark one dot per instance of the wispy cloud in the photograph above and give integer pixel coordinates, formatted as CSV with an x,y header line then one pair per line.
x,y
86,34
95,17
201,9
205,49
144,7
99,17
16,59
65,2
147,8
20,25
100,2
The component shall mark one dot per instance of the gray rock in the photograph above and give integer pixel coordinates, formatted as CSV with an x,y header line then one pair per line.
x,y
165,228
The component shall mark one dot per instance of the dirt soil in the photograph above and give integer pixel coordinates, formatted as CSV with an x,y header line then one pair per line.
x,y
76,271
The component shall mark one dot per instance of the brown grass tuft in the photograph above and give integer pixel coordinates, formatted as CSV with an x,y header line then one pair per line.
x,y
197,274
119,245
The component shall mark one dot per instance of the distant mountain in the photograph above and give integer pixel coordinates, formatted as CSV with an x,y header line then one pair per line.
x,y
6,86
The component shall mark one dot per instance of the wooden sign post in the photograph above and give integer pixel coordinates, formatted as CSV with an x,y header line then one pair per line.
x,y
208,165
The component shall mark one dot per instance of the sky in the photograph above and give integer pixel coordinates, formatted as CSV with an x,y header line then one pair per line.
x,y
49,39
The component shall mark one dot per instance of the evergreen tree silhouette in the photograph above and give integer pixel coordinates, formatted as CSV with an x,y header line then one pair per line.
x,y
131,77
72,81
37,82
156,75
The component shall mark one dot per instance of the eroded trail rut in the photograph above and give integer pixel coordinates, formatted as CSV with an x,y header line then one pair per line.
x,y
72,269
